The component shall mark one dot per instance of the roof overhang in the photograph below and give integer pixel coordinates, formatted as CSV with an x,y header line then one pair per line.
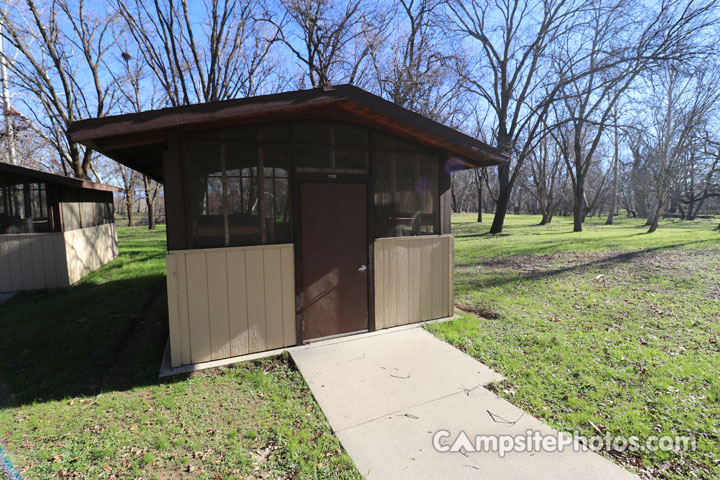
x,y
139,139
19,171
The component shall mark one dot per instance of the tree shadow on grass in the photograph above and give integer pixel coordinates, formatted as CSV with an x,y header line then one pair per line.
x,y
83,340
604,262
482,235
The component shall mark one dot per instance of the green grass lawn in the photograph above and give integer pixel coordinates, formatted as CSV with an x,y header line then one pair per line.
x,y
610,329
78,373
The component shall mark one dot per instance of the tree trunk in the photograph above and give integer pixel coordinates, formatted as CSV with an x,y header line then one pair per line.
x,y
149,201
656,219
579,204
76,160
151,213
131,214
652,215
693,213
480,200
616,160
503,199
658,213
453,198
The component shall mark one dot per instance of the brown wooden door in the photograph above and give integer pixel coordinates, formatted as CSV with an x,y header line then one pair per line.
x,y
333,218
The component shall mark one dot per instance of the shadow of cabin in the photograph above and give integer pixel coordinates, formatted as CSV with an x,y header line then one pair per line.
x,y
83,340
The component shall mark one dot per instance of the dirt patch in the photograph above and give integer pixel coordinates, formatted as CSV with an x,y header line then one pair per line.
x,y
681,263
478,310
120,372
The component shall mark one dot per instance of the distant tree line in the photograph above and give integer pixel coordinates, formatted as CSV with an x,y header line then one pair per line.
x,y
601,105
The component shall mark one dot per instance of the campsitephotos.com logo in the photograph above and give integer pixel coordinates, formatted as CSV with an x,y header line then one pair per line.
x,y
535,441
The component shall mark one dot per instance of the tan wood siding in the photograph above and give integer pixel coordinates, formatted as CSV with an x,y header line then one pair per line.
x,y
218,305
413,279
237,303
198,308
173,315
33,261
227,302
88,249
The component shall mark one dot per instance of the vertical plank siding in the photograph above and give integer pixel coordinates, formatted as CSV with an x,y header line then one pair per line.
x,y
33,261
88,249
198,307
413,279
226,302
218,305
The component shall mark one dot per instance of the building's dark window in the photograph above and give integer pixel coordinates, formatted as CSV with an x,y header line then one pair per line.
x,y
109,209
101,215
17,201
38,201
238,179
71,210
277,195
323,147
405,192
239,193
23,207
13,216
87,208
242,193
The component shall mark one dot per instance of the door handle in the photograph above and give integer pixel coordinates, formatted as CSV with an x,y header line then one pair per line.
x,y
362,268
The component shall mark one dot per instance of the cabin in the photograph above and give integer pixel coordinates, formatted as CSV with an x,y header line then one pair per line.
x,y
53,229
296,216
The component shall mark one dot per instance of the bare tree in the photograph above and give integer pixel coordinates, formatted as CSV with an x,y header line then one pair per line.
x,y
128,178
615,162
519,38
331,40
61,68
613,49
680,107
219,56
418,68
480,174
151,189
547,178
515,40
9,155
700,169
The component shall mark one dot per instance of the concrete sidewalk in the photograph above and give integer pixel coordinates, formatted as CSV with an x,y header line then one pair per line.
x,y
386,393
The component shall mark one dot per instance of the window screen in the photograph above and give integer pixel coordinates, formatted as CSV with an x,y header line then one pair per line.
x,y
242,189
405,190
109,210
277,195
12,208
71,215
206,209
38,201
325,147
239,194
100,212
17,201
87,212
